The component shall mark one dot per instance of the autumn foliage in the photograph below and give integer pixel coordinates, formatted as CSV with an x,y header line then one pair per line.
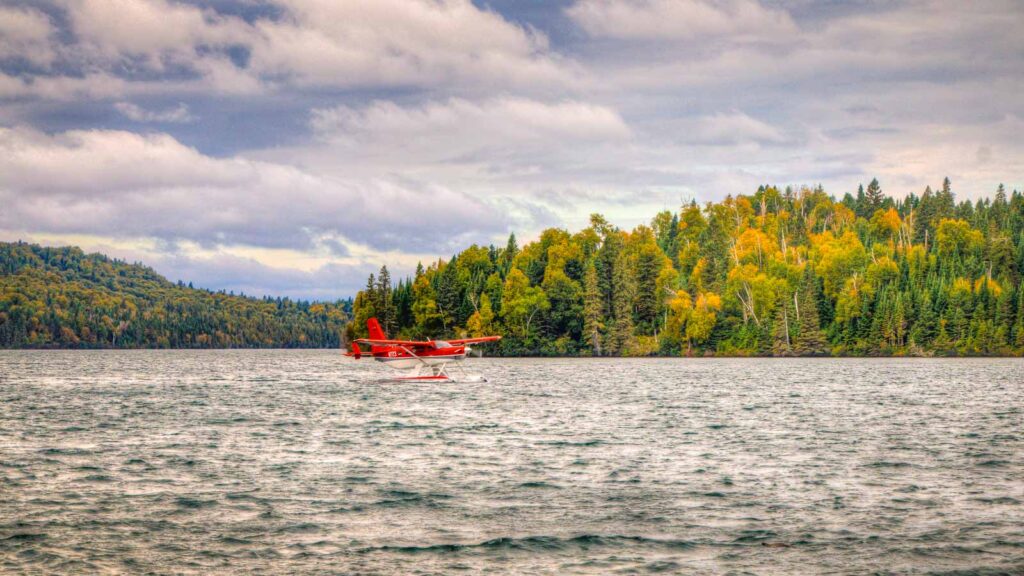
x,y
779,272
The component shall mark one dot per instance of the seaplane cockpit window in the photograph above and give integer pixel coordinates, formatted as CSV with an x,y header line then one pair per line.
x,y
441,344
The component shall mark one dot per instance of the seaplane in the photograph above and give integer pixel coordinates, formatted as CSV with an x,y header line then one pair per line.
x,y
429,358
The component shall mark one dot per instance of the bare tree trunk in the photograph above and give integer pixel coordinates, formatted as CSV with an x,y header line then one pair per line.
x,y
785,321
796,305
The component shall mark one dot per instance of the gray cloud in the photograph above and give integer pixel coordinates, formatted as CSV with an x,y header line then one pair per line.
x,y
117,49
26,34
130,185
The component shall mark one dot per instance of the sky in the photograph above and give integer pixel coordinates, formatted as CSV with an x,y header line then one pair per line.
x,y
292,147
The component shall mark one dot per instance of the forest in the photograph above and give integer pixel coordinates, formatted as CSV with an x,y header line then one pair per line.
x,y
793,272
64,298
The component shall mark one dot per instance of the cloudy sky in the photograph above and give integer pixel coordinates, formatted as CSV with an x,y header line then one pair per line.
x,y
289,147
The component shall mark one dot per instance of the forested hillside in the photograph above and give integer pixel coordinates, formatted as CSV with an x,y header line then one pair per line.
x,y
779,272
62,297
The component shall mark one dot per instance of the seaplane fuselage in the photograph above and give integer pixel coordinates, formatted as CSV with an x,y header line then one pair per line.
x,y
406,358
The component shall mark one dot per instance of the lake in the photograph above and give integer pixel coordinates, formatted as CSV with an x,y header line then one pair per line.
x,y
306,462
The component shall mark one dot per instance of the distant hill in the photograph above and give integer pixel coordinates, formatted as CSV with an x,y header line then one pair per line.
x,y
65,298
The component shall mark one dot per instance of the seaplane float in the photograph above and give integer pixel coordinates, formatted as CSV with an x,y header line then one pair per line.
x,y
429,359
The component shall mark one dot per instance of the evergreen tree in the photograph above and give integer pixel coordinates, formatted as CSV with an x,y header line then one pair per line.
x,y
592,305
509,254
648,301
861,203
873,198
385,302
810,340
623,289
604,264
448,295
1018,330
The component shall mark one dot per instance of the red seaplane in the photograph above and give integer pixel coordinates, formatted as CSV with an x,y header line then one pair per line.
x,y
430,357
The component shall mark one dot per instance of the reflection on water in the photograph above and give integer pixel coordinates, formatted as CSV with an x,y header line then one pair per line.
x,y
302,461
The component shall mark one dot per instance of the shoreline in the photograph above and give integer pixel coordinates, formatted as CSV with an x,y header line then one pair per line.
x,y
537,357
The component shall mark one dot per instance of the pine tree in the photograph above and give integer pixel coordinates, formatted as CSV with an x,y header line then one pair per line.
x,y
810,340
945,201
648,267
1005,314
371,292
623,290
385,302
1018,329
592,318
873,197
607,255
448,295
923,329
511,249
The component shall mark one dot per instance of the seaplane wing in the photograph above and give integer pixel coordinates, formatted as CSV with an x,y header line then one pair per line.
x,y
465,341
376,342
426,343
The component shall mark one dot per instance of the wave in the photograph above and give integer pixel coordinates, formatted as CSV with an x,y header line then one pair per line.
x,y
24,537
994,463
539,484
540,544
567,443
981,572
889,464
193,503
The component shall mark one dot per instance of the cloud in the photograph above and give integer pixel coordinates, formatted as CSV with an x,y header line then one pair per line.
x,y
401,42
294,44
247,275
680,20
851,50
733,128
178,114
129,185
25,34
457,128
156,33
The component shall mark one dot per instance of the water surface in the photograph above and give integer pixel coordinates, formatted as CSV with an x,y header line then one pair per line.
x,y
305,462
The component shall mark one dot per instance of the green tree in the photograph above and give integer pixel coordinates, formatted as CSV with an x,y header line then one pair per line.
x,y
810,340
873,197
593,320
521,303
623,290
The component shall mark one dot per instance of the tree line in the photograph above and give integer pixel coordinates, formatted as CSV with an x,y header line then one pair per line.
x,y
64,298
779,272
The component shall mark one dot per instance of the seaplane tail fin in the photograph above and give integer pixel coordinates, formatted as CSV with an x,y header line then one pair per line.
x,y
355,352
376,333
